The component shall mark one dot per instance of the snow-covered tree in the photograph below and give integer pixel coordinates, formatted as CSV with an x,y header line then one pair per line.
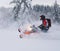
x,y
18,6
36,8
56,12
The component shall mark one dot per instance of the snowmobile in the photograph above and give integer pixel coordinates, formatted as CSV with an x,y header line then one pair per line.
x,y
31,29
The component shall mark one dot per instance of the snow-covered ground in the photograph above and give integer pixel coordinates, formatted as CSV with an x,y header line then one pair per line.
x,y
10,41
42,41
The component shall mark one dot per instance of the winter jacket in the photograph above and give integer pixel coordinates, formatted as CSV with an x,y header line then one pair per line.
x,y
44,23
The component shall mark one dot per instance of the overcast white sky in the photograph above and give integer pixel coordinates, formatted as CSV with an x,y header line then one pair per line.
x,y
42,2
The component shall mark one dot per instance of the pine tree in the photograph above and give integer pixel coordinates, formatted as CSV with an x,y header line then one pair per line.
x,y
56,14
17,7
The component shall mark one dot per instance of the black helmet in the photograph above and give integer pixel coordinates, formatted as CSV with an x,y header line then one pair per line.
x,y
42,17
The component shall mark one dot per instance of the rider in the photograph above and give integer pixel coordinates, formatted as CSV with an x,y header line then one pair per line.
x,y
45,25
